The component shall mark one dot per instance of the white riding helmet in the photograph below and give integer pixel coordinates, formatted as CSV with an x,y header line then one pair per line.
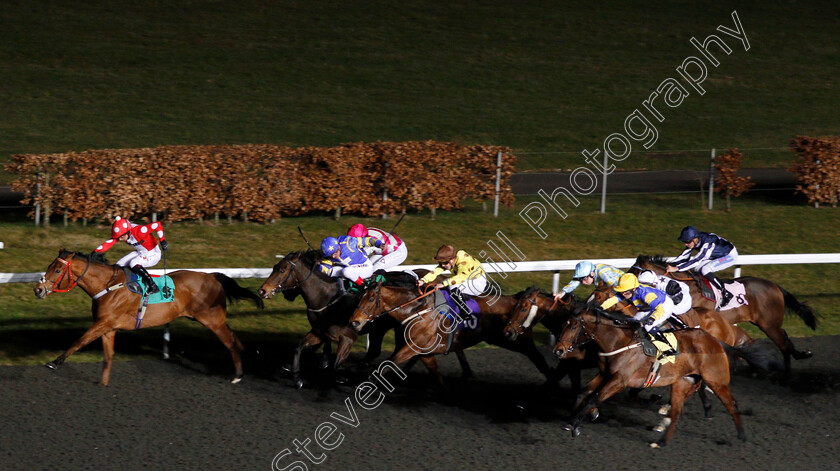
x,y
647,277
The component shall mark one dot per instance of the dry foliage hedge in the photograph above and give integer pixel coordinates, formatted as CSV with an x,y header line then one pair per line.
x,y
728,181
260,182
817,168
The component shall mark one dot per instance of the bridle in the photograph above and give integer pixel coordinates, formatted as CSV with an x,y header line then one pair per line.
x,y
292,272
371,315
64,271
513,323
583,330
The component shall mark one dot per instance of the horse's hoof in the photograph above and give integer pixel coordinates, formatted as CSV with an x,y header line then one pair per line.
x,y
299,384
803,355
51,365
593,416
324,364
576,432
662,425
286,368
341,379
664,410
520,409
655,445
236,380
568,427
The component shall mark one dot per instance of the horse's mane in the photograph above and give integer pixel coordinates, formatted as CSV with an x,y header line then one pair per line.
x,y
659,260
617,318
94,257
530,290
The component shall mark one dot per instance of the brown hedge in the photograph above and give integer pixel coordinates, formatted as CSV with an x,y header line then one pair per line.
x,y
817,168
261,182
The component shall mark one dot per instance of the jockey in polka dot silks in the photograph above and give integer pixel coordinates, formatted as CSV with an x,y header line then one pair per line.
x,y
347,257
393,251
146,251
714,253
589,273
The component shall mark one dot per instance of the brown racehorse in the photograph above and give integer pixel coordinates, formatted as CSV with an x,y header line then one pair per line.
x,y
707,319
767,303
328,310
553,315
200,296
426,332
702,361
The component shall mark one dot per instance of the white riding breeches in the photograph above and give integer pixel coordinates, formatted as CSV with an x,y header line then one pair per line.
x,y
354,272
685,302
721,263
145,259
667,308
384,262
473,286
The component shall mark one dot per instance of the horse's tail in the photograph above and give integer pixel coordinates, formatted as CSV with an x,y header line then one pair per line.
x,y
234,292
804,311
755,355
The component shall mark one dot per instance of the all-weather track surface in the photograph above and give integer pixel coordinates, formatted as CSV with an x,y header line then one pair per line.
x,y
163,415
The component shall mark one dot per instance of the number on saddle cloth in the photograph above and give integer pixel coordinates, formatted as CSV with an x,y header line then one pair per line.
x,y
450,308
164,283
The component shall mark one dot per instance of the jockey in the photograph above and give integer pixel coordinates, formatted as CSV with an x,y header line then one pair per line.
x,y
468,278
393,251
655,307
678,291
347,257
587,273
146,252
714,253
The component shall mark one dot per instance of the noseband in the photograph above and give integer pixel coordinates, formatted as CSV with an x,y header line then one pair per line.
x,y
65,271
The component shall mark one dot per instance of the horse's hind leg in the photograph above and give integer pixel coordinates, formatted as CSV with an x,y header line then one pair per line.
x,y
94,332
725,395
215,321
466,371
108,355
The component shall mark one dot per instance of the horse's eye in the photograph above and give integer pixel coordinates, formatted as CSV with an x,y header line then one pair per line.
x,y
57,270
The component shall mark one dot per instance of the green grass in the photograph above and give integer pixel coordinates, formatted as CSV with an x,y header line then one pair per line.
x,y
540,78
33,330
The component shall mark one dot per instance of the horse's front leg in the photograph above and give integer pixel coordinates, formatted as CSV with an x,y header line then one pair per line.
x,y
311,339
614,385
108,355
98,329
325,359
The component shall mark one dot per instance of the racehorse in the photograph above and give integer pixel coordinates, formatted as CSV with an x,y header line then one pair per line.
x,y
328,309
707,319
426,328
200,296
541,307
702,361
767,303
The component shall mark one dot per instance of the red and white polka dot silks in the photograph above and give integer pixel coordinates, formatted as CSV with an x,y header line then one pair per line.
x,y
140,236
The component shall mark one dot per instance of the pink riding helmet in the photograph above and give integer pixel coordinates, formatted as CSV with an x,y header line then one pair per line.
x,y
357,230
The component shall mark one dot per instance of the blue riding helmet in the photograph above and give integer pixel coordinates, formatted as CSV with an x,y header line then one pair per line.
x,y
688,233
329,245
583,269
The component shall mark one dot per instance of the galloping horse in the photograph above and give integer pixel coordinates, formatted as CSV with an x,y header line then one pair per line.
x,y
425,331
200,296
328,309
707,319
767,303
541,307
702,361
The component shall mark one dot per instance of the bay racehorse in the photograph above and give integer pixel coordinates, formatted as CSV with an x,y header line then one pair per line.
x,y
426,333
200,296
535,307
328,309
767,304
702,361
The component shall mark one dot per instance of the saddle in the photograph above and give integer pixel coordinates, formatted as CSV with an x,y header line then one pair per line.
x,y
135,285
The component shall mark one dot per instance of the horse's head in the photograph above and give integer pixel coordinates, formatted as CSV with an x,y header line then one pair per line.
x,y
576,332
59,277
283,276
657,264
369,308
525,314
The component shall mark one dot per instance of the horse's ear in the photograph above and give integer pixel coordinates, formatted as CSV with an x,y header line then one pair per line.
x,y
61,250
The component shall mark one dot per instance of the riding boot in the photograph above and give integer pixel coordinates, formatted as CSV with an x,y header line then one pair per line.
x,y
725,296
151,287
460,300
677,323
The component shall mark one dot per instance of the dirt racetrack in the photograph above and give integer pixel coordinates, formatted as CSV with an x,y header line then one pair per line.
x,y
176,415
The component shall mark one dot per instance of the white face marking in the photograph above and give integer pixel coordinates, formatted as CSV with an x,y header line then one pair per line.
x,y
531,314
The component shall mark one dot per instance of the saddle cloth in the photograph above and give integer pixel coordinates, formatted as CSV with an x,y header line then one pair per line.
x,y
447,307
136,285
739,294
662,347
